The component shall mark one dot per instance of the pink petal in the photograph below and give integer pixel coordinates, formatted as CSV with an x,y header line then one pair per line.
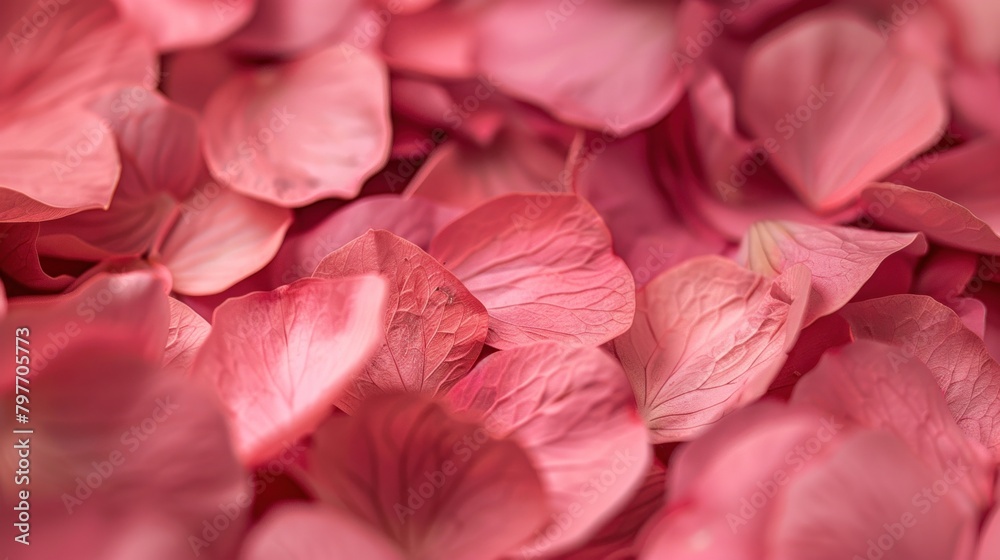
x,y
310,532
841,259
865,384
617,538
572,411
280,359
864,98
224,241
465,176
942,220
55,163
434,328
896,509
19,259
926,330
645,225
302,131
709,337
709,514
174,24
440,41
437,486
415,220
553,61
543,267
283,28
185,336
989,543
160,137
81,49
99,313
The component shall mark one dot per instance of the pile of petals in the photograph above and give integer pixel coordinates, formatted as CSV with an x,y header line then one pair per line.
x,y
482,280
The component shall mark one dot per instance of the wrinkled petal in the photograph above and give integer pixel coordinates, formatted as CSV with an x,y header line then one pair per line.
x,y
709,337
572,411
543,267
434,328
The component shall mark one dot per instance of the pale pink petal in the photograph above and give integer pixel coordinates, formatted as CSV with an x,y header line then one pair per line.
x,y
159,136
437,486
280,359
925,330
543,267
434,328
311,532
626,81
185,336
84,47
572,411
841,259
864,383
232,236
842,108
709,515
55,163
709,337
302,131
897,501
940,219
